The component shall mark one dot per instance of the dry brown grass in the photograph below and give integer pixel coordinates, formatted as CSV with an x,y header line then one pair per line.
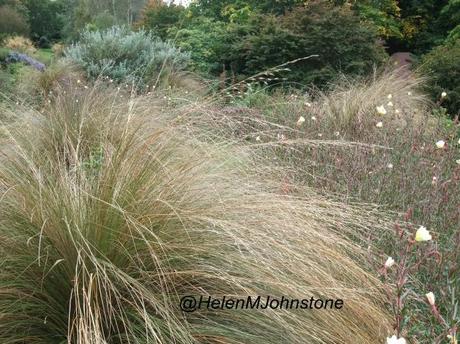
x,y
21,44
112,209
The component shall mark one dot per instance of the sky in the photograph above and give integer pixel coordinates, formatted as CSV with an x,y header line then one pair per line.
x,y
179,2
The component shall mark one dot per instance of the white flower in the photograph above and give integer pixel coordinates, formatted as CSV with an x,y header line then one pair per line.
x,y
431,298
409,93
397,111
396,340
390,165
307,104
379,124
78,81
389,96
320,135
440,144
390,262
313,118
457,161
258,138
443,95
452,339
300,120
434,180
86,87
458,141
337,133
381,110
390,104
422,234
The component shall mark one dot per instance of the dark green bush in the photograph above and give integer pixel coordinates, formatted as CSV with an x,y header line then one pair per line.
x,y
160,18
442,65
44,43
335,33
45,18
209,41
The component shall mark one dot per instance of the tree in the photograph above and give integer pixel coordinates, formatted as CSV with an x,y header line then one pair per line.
x,y
13,22
159,17
219,9
45,18
333,32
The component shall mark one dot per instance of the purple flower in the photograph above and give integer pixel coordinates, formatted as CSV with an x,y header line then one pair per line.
x,y
18,57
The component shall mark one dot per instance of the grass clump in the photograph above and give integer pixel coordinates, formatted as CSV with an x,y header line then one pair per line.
x,y
104,227
379,141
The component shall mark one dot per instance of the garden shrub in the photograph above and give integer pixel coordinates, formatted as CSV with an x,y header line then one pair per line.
x,y
44,43
127,56
335,33
160,18
58,49
208,41
45,18
442,64
255,42
12,22
20,44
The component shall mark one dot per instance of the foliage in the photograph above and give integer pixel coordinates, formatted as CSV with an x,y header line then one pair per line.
x,y
442,65
384,15
223,9
103,21
209,43
4,53
244,44
454,34
99,14
45,18
333,32
126,56
58,49
159,18
422,25
12,22
21,44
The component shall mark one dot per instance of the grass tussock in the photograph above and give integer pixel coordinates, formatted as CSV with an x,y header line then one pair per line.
x,y
405,159
111,211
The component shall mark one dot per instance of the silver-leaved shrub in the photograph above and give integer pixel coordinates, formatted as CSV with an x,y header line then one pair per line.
x,y
126,56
